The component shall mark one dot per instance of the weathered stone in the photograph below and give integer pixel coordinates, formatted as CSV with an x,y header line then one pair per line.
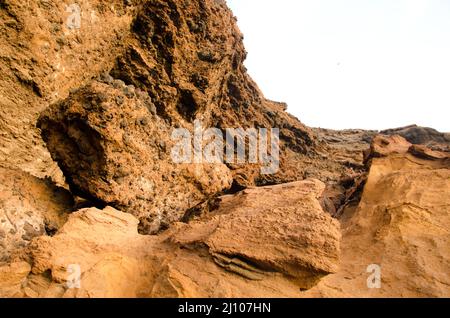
x,y
28,206
108,154
93,140
275,229
422,135
254,244
400,226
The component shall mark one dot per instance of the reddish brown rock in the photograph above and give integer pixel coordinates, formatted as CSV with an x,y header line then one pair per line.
x,y
12,278
383,146
118,86
183,61
274,229
113,149
42,59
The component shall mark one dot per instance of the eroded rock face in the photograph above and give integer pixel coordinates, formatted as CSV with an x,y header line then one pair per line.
x,y
29,207
44,56
279,228
118,86
114,148
171,62
401,225
188,56
183,62
12,278
241,249
384,146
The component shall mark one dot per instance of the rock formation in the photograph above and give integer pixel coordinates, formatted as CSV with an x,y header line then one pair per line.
x,y
245,247
42,59
400,224
423,136
182,61
93,204
114,149
29,207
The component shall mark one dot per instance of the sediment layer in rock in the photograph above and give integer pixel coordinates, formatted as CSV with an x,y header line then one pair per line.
x,y
284,246
401,225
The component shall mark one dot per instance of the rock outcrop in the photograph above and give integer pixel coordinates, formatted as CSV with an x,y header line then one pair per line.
x,y
45,53
182,63
277,229
107,84
244,247
401,225
29,207
422,136
113,148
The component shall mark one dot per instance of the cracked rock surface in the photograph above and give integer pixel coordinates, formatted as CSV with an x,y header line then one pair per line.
x,y
92,203
244,248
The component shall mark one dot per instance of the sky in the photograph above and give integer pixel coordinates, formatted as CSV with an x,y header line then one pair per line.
x,y
370,64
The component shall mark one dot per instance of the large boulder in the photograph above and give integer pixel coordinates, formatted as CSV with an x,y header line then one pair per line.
x,y
114,148
270,229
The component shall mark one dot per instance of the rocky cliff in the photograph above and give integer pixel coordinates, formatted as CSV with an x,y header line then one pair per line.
x,y
93,204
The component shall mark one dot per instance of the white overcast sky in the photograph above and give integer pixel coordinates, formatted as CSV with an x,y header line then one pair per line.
x,y
370,64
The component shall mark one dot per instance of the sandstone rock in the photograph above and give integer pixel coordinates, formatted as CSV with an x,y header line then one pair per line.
x,y
278,228
423,152
119,83
401,225
383,146
12,277
29,207
102,246
290,245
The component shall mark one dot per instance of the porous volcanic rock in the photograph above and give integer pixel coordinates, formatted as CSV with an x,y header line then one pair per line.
x,y
114,148
42,57
244,248
182,63
110,92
